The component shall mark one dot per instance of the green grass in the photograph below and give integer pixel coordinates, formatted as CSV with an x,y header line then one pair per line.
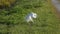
x,y
45,23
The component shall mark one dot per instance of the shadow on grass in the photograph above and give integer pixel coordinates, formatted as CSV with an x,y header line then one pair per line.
x,y
5,33
31,6
44,25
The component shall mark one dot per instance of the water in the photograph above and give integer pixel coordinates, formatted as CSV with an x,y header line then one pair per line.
x,y
56,3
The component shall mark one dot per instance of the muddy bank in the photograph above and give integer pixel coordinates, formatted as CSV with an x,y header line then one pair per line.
x,y
55,6
56,3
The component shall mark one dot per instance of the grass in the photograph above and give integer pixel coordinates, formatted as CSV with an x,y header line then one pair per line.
x,y
45,23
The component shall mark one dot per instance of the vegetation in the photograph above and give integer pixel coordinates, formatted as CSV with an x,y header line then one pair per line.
x,y
6,3
12,21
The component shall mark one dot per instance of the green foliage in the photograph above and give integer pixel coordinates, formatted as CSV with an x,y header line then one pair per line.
x,y
3,29
13,20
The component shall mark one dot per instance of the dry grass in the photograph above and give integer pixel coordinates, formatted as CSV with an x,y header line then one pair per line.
x,y
6,3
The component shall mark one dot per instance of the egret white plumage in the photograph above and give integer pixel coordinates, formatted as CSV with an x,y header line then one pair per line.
x,y
30,16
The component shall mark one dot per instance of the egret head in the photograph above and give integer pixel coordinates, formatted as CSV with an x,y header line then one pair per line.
x,y
34,15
